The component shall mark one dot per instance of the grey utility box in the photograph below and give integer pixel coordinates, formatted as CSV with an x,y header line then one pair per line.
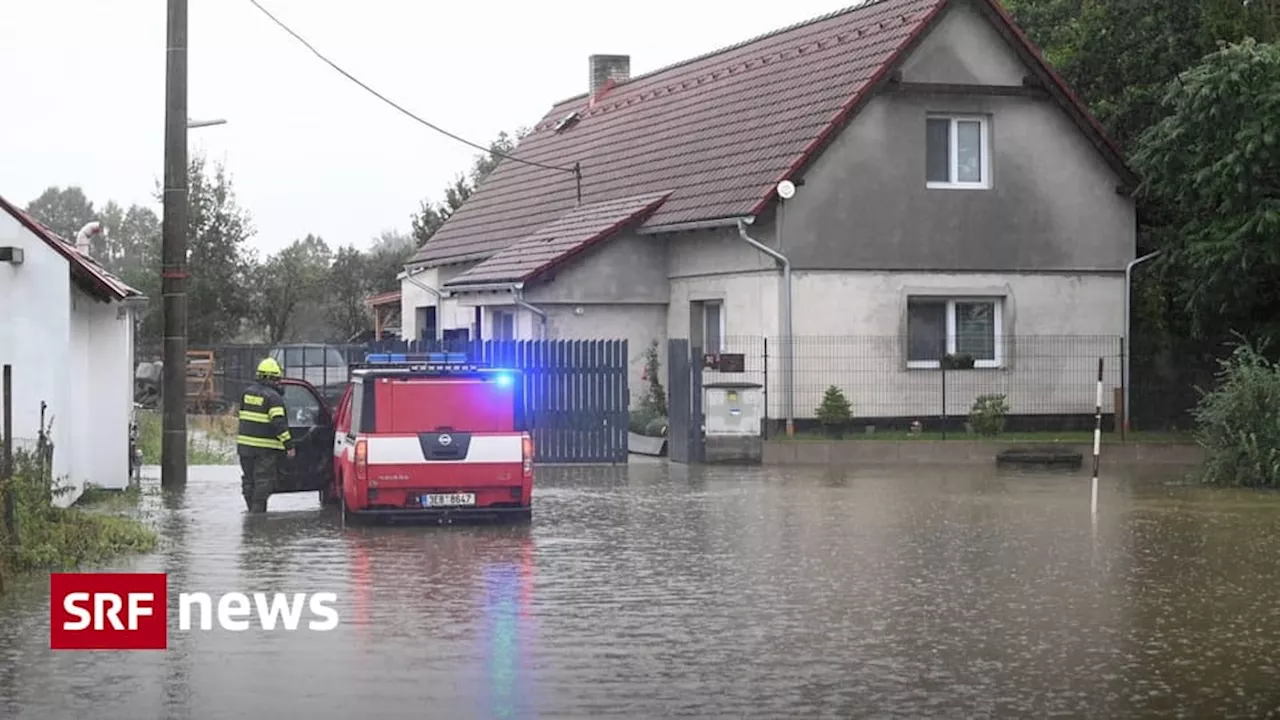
x,y
734,413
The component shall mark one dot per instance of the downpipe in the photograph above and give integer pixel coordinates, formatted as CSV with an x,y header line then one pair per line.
x,y
1128,344
408,275
788,375
517,295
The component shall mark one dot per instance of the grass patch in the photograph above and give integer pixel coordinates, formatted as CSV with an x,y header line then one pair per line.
x,y
110,500
210,438
52,538
1086,437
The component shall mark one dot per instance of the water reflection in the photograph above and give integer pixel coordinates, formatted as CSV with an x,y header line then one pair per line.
x,y
652,591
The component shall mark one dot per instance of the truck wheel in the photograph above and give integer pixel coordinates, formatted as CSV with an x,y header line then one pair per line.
x,y
327,497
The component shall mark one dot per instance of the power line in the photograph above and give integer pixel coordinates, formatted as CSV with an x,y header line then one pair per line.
x,y
395,105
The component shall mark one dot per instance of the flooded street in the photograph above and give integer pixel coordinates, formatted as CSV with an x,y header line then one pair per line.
x,y
653,591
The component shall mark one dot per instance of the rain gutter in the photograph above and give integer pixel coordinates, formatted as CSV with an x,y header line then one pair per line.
x,y
787,373
408,275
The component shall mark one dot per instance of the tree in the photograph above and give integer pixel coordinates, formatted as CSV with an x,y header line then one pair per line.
x,y
385,260
347,289
63,210
220,265
131,238
1120,55
293,282
431,215
1216,158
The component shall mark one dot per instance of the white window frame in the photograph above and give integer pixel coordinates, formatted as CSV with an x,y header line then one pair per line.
x,y
997,329
953,152
719,304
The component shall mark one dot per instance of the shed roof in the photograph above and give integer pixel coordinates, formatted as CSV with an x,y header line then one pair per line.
x,y
560,240
92,277
718,132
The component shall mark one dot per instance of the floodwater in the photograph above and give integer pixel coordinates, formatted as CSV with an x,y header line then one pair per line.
x,y
654,591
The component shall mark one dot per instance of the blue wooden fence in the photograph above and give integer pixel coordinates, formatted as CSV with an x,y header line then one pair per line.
x,y
576,394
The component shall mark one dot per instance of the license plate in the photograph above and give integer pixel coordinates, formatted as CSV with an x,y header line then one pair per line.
x,y
449,500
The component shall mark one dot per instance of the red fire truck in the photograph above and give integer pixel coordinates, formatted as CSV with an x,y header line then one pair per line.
x,y
415,435
432,434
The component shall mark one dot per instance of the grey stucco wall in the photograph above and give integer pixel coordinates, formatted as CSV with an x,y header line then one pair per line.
x,y
638,324
719,251
1052,205
629,268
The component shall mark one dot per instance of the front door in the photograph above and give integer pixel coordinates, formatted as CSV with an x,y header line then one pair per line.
x,y
311,424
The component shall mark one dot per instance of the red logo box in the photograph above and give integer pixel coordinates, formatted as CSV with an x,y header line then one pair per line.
x,y
108,611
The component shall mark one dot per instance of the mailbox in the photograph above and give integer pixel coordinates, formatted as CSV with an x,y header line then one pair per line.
x,y
733,409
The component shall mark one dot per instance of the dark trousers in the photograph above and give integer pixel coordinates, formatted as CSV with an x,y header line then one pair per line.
x,y
260,470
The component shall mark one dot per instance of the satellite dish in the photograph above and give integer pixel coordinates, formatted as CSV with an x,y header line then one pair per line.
x,y
786,189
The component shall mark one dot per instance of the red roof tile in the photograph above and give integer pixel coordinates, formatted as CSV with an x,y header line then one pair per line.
x,y
92,276
560,240
718,131
387,298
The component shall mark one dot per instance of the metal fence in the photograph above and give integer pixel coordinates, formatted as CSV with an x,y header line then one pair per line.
x,y
1048,381
575,392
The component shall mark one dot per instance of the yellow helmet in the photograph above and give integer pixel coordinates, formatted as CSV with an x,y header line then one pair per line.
x,y
270,368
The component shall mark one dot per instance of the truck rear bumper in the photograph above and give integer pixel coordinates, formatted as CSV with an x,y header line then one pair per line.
x,y
443,514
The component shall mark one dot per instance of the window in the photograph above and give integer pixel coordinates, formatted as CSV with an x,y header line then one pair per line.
x,y
712,326
504,325
302,406
938,326
357,407
426,316
957,153
293,358
335,358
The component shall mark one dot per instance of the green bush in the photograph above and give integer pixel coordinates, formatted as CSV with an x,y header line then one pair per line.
x,y
835,408
655,399
640,419
656,427
53,538
1238,423
987,415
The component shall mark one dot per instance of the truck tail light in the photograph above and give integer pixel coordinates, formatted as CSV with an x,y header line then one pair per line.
x,y
526,448
362,460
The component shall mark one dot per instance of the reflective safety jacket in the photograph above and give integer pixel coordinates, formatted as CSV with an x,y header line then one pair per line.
x,y
263,425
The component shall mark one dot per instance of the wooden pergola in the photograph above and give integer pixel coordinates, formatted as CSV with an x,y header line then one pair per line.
x,y
386,309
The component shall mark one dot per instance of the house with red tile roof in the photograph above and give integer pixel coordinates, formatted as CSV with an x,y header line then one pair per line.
x,y
67,332
908,171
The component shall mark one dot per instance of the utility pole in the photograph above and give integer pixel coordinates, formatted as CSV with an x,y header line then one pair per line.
x,y
173,450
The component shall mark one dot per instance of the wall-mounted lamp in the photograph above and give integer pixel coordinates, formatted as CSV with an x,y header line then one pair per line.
x,y
11,255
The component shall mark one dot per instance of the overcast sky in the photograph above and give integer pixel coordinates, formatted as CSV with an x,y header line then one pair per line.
x,y
308,150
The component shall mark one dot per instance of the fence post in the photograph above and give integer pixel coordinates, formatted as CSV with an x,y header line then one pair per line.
x,y
766,388
6,462
1097,443
1122,413
943,364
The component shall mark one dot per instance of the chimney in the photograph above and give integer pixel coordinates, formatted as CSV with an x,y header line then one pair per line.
x,y
608,67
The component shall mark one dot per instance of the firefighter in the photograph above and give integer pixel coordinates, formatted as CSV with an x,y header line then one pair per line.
x,y
264,437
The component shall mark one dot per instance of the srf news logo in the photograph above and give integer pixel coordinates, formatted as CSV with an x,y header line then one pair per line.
x,y
129,611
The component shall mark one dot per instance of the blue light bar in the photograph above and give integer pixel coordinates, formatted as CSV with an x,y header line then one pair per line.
x,y
436,358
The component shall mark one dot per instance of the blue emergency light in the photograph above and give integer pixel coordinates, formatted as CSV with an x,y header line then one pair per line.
x,y
435,358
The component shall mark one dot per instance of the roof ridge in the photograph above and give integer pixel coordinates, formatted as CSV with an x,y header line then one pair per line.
x,y
826,42
727,48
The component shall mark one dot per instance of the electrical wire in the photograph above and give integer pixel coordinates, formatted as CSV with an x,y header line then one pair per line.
x,y
395,105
